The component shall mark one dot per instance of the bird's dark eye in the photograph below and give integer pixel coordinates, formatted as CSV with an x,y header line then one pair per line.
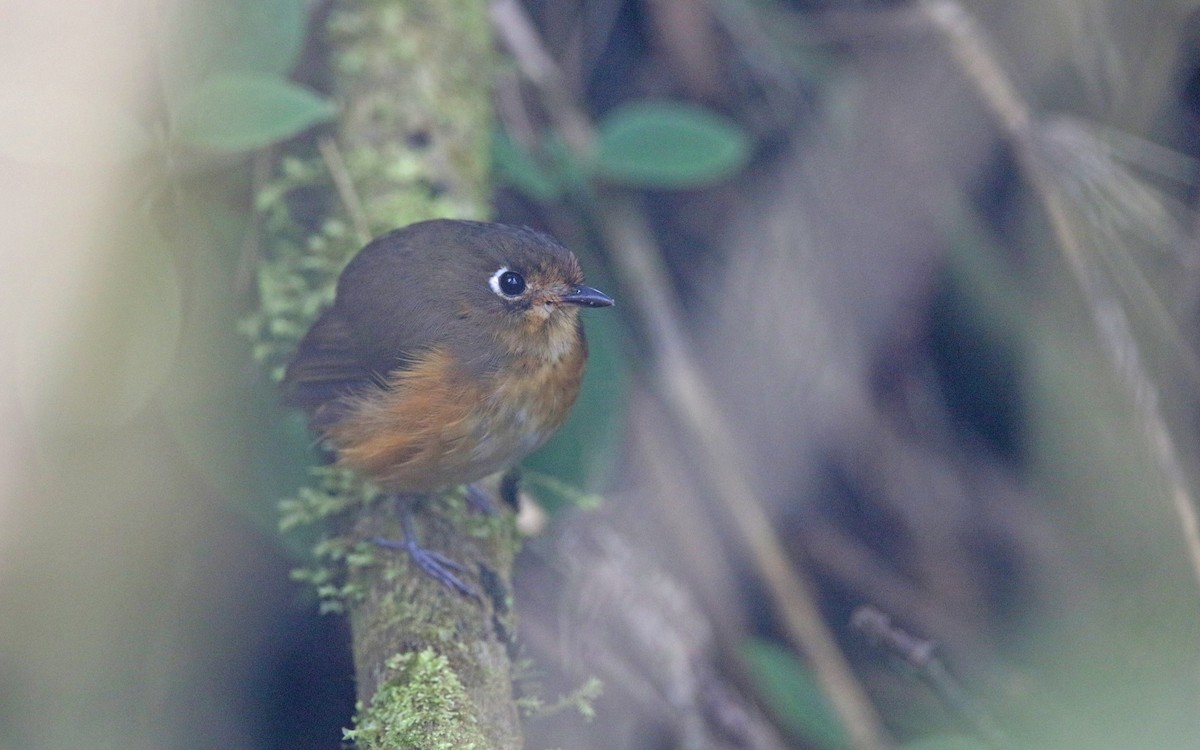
x,y
508,283
512,283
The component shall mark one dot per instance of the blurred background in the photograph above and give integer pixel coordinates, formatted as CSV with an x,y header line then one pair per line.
x,y
940,340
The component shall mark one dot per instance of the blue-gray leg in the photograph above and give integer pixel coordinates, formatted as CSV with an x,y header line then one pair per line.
x,y
435,564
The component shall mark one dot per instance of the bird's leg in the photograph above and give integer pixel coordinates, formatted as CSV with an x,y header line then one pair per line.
x,y
509,489
441,568
479,500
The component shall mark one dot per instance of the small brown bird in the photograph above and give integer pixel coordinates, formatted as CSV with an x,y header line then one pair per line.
x,y
453,349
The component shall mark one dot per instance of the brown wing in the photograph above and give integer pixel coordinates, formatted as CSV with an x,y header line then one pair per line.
x,y
327,366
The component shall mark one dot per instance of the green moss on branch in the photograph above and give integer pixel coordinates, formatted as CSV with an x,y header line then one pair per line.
x,y
411,143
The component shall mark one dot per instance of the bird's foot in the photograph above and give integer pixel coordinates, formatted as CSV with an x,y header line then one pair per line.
x,y
436,565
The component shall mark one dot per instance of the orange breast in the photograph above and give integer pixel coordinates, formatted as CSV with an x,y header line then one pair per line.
x,y
435,427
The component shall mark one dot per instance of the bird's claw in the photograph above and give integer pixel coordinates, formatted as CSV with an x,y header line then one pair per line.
x,y
436,565
479,500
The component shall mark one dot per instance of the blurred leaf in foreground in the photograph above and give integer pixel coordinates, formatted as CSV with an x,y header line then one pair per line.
x,y
671,145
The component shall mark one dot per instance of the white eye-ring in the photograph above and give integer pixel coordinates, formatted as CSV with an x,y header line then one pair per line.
x,y
507,283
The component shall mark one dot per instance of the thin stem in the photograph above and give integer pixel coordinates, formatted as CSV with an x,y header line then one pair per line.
x,y
332,156
923,657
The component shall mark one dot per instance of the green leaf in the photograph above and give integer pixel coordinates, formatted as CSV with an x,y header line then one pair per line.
x,y
662,144
243,112
574,176
793,695
245,36
262,36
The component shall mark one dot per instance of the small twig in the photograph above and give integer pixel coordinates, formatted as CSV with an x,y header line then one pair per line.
x,y
847,560
973,51
922,656
521,38
332,156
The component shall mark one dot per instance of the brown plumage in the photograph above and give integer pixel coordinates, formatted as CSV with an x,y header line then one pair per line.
x,y
453,349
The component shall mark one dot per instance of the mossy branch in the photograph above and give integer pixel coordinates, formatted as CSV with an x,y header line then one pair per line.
x,y
411,143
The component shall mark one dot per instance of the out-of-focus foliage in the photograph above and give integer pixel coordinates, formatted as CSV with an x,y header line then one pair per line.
x,y
658,144
205,40
945,742
788,688
225,74
242,112
647,144
138,558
